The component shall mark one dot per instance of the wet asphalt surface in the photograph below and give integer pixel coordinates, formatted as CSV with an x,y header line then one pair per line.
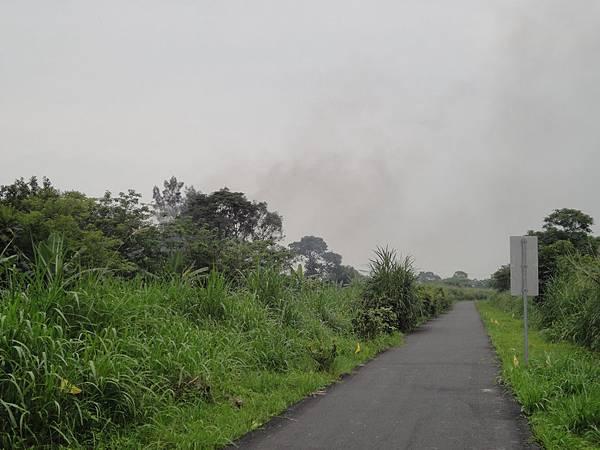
x,y
437,391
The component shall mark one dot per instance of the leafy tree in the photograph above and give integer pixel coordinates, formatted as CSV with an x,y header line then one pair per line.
x,y
460,274
344,274
311,249
232,215
30,213
460,282
548,260
483,284
337,272
565,231
569,220
127,220
168,203
428,277
501,278
199,247
318,262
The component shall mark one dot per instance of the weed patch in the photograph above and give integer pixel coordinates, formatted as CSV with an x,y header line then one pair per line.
x,y
559,389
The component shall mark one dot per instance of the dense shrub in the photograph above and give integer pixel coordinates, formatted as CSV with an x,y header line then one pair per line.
x,y
434,299
392,285
372,322
571,309
392,299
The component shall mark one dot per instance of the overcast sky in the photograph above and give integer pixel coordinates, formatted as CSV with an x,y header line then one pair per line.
x,y
439,128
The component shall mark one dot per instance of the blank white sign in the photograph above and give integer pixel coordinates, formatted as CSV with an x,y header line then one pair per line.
x,y
516,264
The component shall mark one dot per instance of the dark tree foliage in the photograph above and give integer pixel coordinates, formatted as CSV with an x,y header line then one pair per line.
x,y
428,277
126,219
223,230
18,194
501,278
232,215
318,262
568,221
565,232
111,232
183,229
311,249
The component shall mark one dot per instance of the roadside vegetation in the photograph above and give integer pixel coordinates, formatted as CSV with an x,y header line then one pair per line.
x,y
560,389
459,286
186,328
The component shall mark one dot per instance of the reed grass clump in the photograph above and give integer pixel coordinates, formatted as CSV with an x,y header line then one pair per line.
x,y
392,299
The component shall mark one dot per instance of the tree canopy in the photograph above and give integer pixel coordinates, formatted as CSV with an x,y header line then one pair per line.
x,y
232,215
181,228
565,231
318,262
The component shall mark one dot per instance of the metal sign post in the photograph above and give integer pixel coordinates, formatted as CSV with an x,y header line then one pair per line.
x,y
524,291
524,275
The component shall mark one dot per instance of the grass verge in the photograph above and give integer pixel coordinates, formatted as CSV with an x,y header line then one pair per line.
x,y
559,390
262,395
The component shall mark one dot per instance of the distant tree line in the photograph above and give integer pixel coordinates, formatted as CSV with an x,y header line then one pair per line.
x,y
182,228
460,278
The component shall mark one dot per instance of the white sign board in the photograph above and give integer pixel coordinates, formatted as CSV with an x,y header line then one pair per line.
x,y
524,265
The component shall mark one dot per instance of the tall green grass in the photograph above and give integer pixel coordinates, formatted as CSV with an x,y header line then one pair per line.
x,y
559,390
392,286
571,307
392,300
88,360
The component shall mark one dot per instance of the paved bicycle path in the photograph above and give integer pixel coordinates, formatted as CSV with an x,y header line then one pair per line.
x,y
437,391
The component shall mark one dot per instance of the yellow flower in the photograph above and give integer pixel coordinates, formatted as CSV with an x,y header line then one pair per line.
x,y
515,361
357,348
68,387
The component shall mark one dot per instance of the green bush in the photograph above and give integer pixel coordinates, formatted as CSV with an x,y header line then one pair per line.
x,y
392,285
571,307
435,301
373,322
323,355
393,300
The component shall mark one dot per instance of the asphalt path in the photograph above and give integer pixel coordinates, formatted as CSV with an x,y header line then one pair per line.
x,y
437,391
